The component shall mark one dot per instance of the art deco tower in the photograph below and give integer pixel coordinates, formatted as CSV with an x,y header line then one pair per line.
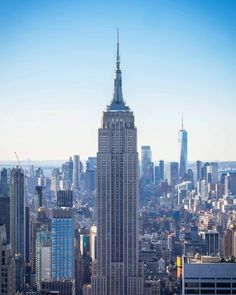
x,y
183,147
117,269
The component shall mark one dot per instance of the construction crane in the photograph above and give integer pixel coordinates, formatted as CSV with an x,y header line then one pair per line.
x,y
18,161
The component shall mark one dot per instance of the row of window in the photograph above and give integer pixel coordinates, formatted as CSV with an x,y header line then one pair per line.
x,y
209,291
210,285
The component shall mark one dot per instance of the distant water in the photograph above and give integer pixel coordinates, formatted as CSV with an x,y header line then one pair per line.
x,y
47,166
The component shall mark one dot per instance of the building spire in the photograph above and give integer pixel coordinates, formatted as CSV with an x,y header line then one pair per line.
x,y
118,51
182,123
118,101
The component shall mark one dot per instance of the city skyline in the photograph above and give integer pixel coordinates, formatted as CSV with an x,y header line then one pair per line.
x,y
56,73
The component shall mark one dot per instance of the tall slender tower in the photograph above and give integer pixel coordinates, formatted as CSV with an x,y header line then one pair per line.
x,y
117,270
183,147
17,223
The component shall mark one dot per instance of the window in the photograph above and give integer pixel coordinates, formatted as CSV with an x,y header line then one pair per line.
x,y
192,291
192,285
223,285
208,285
207,291
224,291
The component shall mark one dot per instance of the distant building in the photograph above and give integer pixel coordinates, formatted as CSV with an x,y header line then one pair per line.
x,y
173,174
7,265
76,172
199,170
229,242
64,198
39,193
55,181
147,169
230,184
62,287
5,215
5,182
84,244
43,257
212,240
93,242
162,170
183,148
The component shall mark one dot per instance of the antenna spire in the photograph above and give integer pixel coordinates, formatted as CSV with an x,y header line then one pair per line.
x,y
182,123
118,51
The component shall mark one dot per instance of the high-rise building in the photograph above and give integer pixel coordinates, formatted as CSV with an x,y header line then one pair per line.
x,y
117,269
214,172
17,223
183,148
67,175
230,183
157,174
147,169
199,170
5,215
229,242
43,256
84,244
63,244
90,174
162,170
5,182
93,242
212,239
39,193
65,198
173,174
7,266
55,180
76,172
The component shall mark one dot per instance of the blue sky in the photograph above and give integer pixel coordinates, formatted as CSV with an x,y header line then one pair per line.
x,y
57,61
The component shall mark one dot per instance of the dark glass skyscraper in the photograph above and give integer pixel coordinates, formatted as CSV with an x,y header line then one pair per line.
x,y
117,269
17,223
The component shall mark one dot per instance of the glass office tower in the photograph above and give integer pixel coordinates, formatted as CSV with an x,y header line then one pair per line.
x,y
62,244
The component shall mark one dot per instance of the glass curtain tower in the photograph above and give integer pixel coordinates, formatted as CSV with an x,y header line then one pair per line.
x,y
117,269
183,147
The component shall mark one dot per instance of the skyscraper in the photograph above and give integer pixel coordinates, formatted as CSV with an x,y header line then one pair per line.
x,y
183,147
17,222
62,244
173,174
5,215
199,170
117,269
147,169
161,167
5,182
76,172
7,265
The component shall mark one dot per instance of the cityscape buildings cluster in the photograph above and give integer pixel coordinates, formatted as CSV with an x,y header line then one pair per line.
x,y
117,224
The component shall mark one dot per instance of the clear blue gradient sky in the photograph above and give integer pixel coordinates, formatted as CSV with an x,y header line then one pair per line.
x,y
57,61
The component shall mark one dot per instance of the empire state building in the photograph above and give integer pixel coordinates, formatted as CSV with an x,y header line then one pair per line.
x,y
117,270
